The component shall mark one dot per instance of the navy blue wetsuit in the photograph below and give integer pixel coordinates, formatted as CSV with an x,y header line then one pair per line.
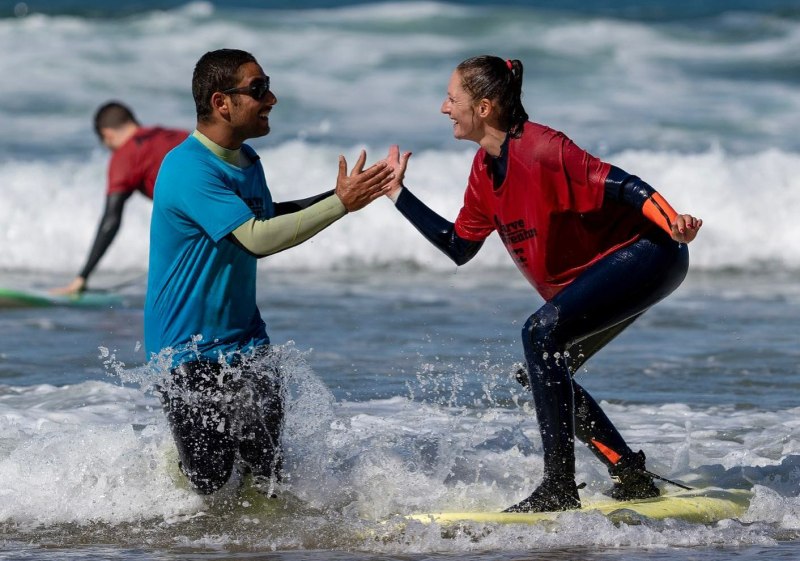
x,y
578,321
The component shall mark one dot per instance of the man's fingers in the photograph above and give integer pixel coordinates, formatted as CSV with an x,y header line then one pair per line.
x,y
359,167
342,167
376,194
374,189
376,173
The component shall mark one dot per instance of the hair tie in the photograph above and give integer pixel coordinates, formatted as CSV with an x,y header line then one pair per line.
x,y
510,66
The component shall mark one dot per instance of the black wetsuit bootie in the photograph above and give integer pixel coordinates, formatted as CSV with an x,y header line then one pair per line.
x,y
551,495
632,480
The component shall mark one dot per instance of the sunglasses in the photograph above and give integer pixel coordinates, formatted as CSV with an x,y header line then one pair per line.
x,y
257,89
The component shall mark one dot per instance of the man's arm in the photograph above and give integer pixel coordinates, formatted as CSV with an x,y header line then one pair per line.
x,y
293,206
266,237
106,232
297,221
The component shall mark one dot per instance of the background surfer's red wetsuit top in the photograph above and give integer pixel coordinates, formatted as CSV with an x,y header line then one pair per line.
x,y
134,166
538,210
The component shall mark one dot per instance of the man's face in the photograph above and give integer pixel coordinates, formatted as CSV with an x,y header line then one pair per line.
x,y
111,138
250,116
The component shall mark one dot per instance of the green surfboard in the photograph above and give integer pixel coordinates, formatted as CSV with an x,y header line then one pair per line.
x,y
15,298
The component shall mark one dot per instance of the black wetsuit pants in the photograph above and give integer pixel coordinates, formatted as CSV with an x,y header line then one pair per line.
x,y
573,326
216,413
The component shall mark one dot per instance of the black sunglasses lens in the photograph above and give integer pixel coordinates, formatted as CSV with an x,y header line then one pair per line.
x,y
259,88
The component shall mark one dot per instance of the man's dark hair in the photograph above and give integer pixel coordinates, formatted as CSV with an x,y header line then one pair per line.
x,y
214,72
112,115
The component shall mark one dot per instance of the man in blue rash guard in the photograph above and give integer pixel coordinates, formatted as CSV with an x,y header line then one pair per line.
x,y
213,216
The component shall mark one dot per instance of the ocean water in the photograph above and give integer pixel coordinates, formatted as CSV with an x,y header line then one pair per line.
x,y
400,365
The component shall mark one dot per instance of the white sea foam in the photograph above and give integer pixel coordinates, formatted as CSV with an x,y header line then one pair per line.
x,y
716,143
749,204
719,144
379,73
111,460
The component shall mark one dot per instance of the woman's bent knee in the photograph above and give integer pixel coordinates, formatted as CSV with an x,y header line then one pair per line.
x,y
540,326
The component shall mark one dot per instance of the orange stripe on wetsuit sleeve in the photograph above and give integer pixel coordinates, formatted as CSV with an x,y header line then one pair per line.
x,y
612,456
657,210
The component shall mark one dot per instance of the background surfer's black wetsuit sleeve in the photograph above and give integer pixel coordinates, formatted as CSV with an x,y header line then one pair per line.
x,y
436,229
626,188
293,206
106,232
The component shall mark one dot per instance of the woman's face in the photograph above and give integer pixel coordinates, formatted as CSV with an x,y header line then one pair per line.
x,y
458,105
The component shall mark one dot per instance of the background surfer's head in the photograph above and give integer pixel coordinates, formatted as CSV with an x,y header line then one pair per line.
x,y
499,81
114,123
216,71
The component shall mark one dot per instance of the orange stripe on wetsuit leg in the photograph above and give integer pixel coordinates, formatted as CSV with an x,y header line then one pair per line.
x,y
657,210
612,456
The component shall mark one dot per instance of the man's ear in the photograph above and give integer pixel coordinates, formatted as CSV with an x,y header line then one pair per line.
x,y
220,103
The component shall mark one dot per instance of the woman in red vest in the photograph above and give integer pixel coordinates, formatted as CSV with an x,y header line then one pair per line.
x,y
600,245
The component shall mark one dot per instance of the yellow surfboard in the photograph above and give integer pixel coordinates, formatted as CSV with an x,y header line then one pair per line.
x,y
700,505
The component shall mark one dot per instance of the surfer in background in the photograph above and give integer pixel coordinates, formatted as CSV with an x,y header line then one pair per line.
x,y
137,153
599,245
213,217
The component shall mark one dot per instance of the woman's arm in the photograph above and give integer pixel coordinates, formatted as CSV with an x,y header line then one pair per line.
x,y
629,189
437,230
